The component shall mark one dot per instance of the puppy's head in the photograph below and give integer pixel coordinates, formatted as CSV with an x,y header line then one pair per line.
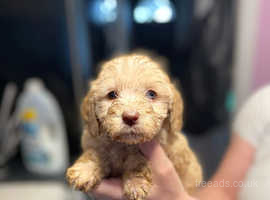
x,y
131,100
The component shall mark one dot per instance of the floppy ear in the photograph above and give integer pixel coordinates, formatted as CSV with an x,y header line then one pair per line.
x,y
89,114
176,111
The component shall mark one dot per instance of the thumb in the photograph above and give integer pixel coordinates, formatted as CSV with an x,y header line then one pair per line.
x,y
155,154
162,167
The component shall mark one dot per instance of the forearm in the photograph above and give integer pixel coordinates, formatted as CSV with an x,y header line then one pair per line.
x,y
212,193
216,188
224,185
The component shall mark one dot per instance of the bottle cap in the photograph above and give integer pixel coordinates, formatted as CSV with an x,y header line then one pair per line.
x,y
34,84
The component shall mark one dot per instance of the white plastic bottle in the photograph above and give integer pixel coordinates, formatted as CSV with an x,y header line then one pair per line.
x,y
44,142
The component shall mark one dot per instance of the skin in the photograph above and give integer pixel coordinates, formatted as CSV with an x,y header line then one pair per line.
x,y
236,162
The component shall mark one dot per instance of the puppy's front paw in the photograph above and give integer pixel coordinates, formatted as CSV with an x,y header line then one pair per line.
x,y
136,188
83,176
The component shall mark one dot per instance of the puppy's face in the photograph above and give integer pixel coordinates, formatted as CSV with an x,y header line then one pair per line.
x,y
132,97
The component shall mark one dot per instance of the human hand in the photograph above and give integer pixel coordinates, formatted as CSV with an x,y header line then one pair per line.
x,y
166,183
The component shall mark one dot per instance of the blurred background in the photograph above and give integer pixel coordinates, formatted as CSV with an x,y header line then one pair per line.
x,y
217,50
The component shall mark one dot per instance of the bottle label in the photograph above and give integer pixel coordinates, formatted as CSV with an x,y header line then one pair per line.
x,y
35,151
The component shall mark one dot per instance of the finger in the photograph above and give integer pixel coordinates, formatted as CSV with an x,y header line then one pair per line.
x,y
109,189
154,153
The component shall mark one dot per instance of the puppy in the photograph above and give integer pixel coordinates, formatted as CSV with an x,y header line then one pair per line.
x,y
132,101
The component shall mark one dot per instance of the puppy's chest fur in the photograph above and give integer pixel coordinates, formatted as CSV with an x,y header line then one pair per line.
x,y
118,155
115,154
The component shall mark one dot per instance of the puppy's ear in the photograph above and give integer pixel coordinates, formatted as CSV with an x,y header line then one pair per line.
x,y
89,114
176,111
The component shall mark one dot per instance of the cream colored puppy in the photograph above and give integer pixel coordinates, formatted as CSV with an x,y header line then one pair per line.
x,y
131,101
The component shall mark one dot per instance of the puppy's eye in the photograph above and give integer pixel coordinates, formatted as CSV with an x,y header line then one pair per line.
x,y
151,94
112,95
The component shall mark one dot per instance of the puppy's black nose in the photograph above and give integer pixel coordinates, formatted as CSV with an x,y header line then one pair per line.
x,y
130,118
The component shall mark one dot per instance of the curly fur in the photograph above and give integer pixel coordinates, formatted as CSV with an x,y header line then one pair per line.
x,y
110,146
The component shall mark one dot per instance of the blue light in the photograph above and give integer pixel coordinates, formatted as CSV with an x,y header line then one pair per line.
x,y
163,14
103,11
158,11
142,14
